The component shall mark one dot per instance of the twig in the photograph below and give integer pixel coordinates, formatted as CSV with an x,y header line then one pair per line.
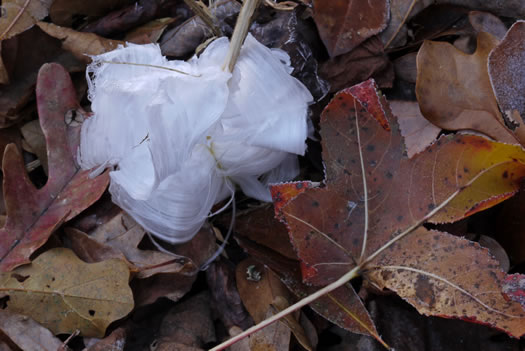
x,y
239,33
17,17
205,14
401,24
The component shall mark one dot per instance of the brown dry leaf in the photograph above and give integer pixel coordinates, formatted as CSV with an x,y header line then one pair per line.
x,y
418,132
365,61
507,74
35,138
63,11
275,337
120,237
187,326
64,294
149,32
80,44
487,22
26,333
455,93
508,8
344,24
399,16
226,300
4,75
26,58
20,15
176,283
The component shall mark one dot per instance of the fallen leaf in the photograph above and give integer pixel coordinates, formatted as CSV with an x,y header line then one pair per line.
x,y
365,61
505,65
80,44
62,12
26,333
342,306
34,137
509,8
374,199
20,15
182,40
343,25
149,32
33,214
64,294
220,277
25,59
417,132
120,237
189,258
188,325
261,292
8,136
514,288
487,22
401,11
405,67
4,75
454,90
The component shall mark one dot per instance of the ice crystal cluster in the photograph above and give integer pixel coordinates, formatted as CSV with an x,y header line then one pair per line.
x,y
179,136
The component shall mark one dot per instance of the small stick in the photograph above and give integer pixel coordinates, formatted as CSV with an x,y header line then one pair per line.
x,y
17,17
239,33
205,14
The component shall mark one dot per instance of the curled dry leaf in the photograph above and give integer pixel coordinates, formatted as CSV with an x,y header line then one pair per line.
x,y
375,198
343,24
80,44
26,333
454,90
65,294
507,75
33,214
149,32
19,15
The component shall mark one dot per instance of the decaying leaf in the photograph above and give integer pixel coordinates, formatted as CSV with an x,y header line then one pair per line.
x,y
19,15
26,333
454,90
33,214
63,11
65,294
374,198
505,64
343,24
80,44
418,133
149,32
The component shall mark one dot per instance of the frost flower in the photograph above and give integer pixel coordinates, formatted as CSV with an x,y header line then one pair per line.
x,y
178,136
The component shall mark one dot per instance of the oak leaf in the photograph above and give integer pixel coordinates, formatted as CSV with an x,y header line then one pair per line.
x,y
64,294
454,90
33,214
368,214
19,15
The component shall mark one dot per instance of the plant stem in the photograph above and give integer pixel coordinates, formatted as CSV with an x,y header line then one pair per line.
x,y
296,306
239,33
205,14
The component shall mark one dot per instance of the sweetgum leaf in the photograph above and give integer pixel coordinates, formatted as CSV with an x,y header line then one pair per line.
x,y
375,197
33,214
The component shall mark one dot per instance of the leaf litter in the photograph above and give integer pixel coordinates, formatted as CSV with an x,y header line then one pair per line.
x,y
379,213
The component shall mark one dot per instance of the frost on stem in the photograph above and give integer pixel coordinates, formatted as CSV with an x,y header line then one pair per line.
x,y
177,138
